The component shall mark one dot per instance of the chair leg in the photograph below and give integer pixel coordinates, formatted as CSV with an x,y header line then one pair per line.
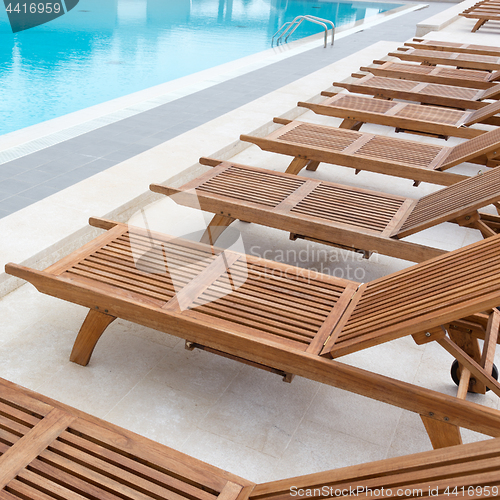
x,y
478,24
441,434
216,228
312,166
351,124
93,327
296,165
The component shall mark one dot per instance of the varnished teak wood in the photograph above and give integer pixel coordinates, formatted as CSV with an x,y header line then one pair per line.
x,y
71,455
385,155
284,309
333,213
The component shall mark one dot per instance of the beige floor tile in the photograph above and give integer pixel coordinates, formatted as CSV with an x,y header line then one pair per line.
x,y
20,309
159,412
228,455
261,411
118,363
407,440
399,359
36,355
197,373
315,447
148,334
354,415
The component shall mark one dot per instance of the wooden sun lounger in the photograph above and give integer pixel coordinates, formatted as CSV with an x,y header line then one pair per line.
x,y
49,447
465,48
405,117
426,93
469,470
483,12
482,18
288,319
457,59
52,451
334,214
312,144
443,75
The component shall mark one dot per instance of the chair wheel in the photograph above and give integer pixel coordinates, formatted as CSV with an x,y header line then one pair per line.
x,y
456,379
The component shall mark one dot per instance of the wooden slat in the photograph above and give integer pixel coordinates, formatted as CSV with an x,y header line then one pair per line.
x,y
386,155
326,211
446,46
445,284
434,74
220,266
74,456
403,116
67,262
490,341
455,464
230,491
463,60
32,444
24,403
428,93
452,202
128,469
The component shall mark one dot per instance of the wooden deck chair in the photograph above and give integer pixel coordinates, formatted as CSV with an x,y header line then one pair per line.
x,y
404,117
457,59
49,450
483,12
443,75
288,319
465,48
426,93
312,144
482,17
458,471
335,214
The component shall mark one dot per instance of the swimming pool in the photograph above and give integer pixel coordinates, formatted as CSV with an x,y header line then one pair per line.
x,y
104,49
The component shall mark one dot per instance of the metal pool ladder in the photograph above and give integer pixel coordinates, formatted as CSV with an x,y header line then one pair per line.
x,y
289,27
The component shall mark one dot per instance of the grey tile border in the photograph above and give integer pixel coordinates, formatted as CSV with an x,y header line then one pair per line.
x,y
33,177
61,165
98,165
132,150
38,192
13,186
14,203
9,170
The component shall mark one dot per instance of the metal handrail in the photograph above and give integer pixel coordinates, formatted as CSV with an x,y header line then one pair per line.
x,y
291,26
324,21
286,24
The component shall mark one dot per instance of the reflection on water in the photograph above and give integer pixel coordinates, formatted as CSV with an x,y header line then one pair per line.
x,y
106,49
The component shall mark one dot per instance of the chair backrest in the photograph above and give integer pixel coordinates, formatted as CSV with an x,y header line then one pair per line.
x,y
455,468
492,92
453,201
494,76
446,288
483,113
473,148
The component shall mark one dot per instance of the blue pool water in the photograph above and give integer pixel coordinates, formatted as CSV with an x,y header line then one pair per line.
x,y
104,49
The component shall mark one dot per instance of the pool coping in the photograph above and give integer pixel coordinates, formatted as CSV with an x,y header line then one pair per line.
x,y
443,19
